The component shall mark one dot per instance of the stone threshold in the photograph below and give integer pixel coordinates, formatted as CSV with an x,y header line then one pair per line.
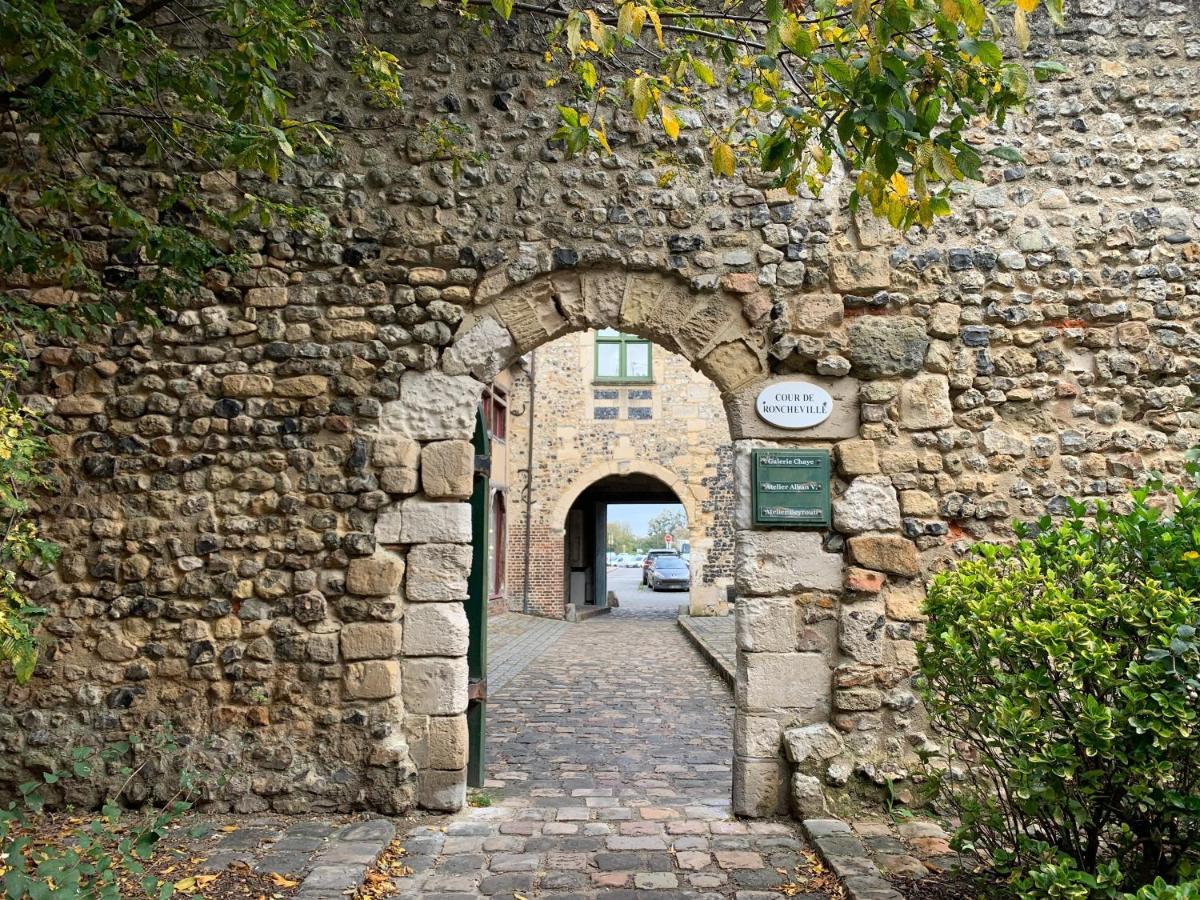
x,y
720,665
583,613
847,857
342,865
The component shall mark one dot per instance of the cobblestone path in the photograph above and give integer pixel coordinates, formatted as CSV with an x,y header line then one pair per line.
x,y
609,777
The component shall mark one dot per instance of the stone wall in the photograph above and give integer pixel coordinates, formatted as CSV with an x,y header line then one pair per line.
x,y
262,503
673,429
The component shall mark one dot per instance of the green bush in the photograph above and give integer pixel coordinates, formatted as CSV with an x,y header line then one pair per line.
x,y
1065,670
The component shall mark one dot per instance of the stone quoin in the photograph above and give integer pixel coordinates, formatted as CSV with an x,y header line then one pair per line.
x,y
262,510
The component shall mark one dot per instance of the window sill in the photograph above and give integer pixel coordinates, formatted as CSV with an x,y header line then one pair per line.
x,y
619,381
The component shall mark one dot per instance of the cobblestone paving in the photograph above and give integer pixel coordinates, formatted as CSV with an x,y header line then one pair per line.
x,y
610,777
514,641
330,858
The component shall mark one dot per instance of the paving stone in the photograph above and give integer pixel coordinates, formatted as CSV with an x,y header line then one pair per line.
x,y
655,881
284,862
604,761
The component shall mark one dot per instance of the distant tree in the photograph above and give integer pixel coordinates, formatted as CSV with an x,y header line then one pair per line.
x,y
669,521
621,538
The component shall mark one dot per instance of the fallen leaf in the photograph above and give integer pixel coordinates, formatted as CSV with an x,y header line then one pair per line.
x,y
283,881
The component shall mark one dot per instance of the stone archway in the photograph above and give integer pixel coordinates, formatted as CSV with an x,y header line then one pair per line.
x,y
678,486
712,331
781,682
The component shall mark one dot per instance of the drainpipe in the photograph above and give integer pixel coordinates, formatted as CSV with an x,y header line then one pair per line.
x,y
529,478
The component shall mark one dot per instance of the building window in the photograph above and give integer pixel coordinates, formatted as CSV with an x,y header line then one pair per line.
x,y
495,412
497,545
622,357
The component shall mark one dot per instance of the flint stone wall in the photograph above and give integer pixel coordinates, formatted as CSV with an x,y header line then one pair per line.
x,y
246,522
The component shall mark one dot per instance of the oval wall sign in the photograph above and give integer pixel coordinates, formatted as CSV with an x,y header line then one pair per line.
x,y
794,404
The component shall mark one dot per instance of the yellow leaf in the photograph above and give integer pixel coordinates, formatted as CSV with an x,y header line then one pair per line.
x,y
1021,28
639,19
599,29
229,828
587,74
722,159
899,185
654,20
282,881
1027,5
602,135
625,21
670,123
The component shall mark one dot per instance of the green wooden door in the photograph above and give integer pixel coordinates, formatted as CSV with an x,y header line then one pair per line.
x,y
477,613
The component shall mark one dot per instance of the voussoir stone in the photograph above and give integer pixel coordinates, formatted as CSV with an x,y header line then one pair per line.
x,y
868,504
887,346
482,350
776,562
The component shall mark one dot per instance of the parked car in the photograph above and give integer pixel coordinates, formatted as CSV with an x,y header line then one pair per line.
x,y
651,555
669,573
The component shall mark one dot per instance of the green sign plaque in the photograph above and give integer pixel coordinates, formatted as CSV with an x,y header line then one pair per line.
x,y
791,487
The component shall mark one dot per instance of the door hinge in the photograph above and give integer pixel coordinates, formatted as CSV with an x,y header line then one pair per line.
x,y
477,689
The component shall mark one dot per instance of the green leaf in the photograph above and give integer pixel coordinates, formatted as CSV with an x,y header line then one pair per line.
x,y
838,70
969,162
1009,154
1045,69
503,8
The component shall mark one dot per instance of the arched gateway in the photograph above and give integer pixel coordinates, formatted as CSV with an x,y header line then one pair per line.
x,y
787,578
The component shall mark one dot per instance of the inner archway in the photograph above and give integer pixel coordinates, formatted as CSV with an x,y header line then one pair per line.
x,y
600,575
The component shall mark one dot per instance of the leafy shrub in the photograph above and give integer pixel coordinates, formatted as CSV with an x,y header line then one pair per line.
x,y
101,859
1066,671
1160,890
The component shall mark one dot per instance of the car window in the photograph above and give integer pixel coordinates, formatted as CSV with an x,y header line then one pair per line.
x,y
671,562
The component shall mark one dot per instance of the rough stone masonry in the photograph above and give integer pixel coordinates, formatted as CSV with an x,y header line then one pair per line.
x,y
261,505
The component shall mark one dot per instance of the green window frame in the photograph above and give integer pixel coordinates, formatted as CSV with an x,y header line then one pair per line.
x,y
622,358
